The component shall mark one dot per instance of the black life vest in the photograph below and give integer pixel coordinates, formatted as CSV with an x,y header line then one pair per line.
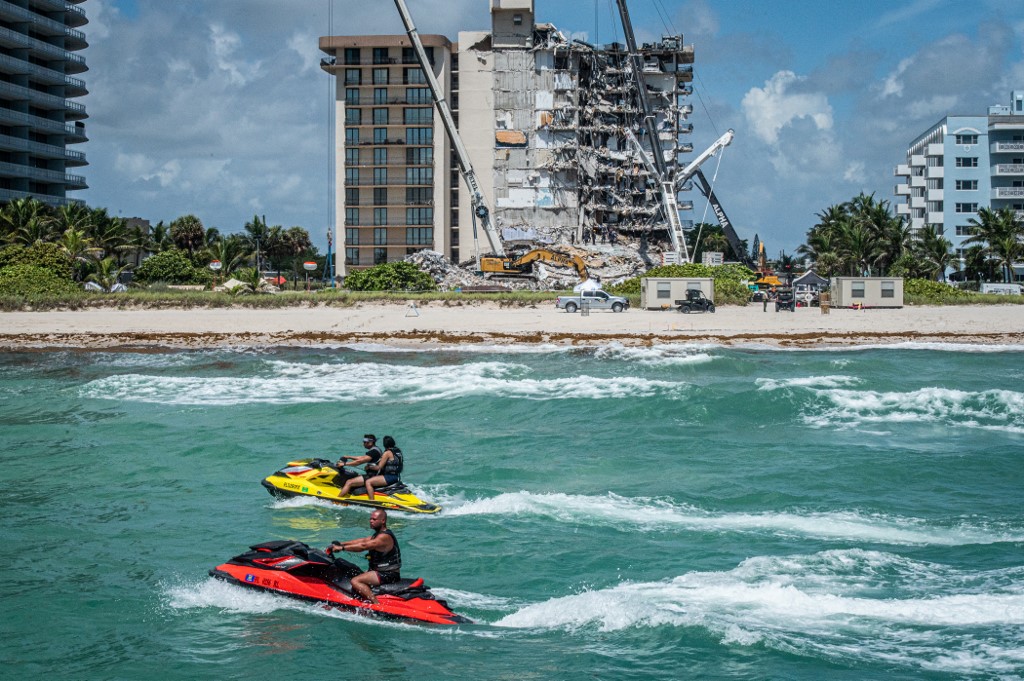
x,y
374,453
386,562
395,464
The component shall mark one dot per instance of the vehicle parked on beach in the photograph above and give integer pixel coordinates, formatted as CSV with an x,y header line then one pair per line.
x,y
695,301
593,299
785,299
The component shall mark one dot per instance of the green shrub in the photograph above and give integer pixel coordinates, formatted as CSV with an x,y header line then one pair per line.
x,y
928,292
32,280
391,276
172,266
729,287
45,255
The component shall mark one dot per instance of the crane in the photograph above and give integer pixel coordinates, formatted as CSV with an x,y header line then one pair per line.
x,y
669,205
480,208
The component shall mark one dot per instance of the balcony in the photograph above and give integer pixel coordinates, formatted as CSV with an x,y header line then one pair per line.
x,y
1006,147
936,218
935,194
918,181
917,223
934,150
902,170
934,172
917,202
1008,193
902,209
917,160
1008,169
902,190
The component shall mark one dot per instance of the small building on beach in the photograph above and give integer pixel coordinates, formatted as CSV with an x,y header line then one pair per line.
x,y
657,293
878,292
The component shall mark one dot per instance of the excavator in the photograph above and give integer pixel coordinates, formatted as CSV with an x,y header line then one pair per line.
x,y
522,265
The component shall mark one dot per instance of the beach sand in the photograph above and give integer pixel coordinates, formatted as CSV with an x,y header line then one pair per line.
x,y
491,323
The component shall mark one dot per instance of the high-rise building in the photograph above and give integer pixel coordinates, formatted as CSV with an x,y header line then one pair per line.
x,y
962,164
39,119
553,128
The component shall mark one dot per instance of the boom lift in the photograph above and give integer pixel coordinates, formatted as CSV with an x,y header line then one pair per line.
x,y
522,265
669,205
480,209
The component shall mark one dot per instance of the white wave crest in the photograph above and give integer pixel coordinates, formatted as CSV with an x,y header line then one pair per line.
x,y
289,382
769,384
656,355
655,513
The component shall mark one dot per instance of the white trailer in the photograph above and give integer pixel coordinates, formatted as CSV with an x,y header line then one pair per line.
x,y
660,293
860,292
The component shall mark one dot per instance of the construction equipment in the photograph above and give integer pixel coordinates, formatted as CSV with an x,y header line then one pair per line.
x,y
522,265
669,204
480,208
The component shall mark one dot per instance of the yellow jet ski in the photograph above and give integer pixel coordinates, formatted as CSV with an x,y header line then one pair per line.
x,y
321,479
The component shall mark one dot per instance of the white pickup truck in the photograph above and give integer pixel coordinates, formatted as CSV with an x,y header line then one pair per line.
x,y
595,300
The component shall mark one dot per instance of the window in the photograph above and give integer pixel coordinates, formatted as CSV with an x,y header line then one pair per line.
x,y
351,175
380,135
380,256
888,289
966,139
964,230
351,256
380,95
664,289
353,116
966,161
419,135
419,156
351,136
380,196
857,289
353,76
421,236
380,235
419,175
352,96
419,216
418,95
409,55
418,195
351,196
352,236
351,216
352,157
351,55
967,185
380,217
517,19
380,175
380,55
380,76
966,208
413,77
380,116
417,116
380,157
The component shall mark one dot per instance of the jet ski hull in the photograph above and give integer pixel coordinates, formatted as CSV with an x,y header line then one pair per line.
x,y
295,570
317,478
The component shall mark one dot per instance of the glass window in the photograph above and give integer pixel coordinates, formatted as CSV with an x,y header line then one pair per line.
x,y
888,289
351,216
380,217
419,156
353,76
352,236
380,175
353,116
966,139
664,289
351,55
409,55
380,235
413,76
417,116
419,135
380,95
351,256
418,95
380,55
419,175
418,195
419,216
380,76
966,161
857,289
380,157
967,185
351,136
421,236
351,175
380,196
352,157
380,116
352,96
964,230
351,196
380,135
380,256
966,208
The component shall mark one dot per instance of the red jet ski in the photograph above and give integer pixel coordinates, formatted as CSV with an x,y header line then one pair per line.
x,y
294,569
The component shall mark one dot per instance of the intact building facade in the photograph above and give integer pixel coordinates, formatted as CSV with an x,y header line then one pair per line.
x,y
963,164
553,129
39,117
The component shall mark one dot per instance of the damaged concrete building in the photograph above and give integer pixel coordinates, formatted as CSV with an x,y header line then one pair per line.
x,y
553,127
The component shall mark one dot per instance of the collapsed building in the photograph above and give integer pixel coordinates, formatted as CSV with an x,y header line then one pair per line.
x,y
553,127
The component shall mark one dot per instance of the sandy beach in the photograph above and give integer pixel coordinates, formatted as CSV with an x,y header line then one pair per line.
x,y
491,323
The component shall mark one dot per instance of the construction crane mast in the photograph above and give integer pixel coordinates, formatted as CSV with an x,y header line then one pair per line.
x,y
669,205
480,209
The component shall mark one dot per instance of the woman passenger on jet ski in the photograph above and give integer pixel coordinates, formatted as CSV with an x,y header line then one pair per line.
x,y
370,458
389,467
382,551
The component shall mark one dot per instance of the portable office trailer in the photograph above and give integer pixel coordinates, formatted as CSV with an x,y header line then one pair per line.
x,y
867,292
657,293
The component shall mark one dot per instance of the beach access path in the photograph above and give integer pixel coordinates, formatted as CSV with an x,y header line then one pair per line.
x,y
493,323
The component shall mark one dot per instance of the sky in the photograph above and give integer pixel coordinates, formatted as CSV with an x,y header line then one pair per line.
x,y
218,108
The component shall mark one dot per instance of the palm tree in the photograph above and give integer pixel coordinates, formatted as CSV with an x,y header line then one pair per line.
x,y
257,234
934,251
1000,233
107,273
160,238
26,221
106,232
188,233
858,247
79,248
231,251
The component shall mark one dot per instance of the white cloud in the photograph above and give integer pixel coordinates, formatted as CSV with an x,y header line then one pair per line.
x,y
768,110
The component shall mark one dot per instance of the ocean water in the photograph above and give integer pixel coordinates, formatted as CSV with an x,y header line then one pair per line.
x,y
646,513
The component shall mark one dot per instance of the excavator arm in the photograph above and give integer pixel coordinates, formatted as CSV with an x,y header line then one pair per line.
x,y
521,264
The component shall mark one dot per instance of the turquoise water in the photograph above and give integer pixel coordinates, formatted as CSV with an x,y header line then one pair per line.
x,y
622,513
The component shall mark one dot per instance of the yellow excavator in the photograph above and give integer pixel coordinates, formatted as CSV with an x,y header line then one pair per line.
x,y
522,265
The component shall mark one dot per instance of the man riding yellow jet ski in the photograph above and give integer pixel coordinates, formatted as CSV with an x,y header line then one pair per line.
x,y
322,479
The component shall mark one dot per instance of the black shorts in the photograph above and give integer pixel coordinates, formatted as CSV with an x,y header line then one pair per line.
x,y
389,577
